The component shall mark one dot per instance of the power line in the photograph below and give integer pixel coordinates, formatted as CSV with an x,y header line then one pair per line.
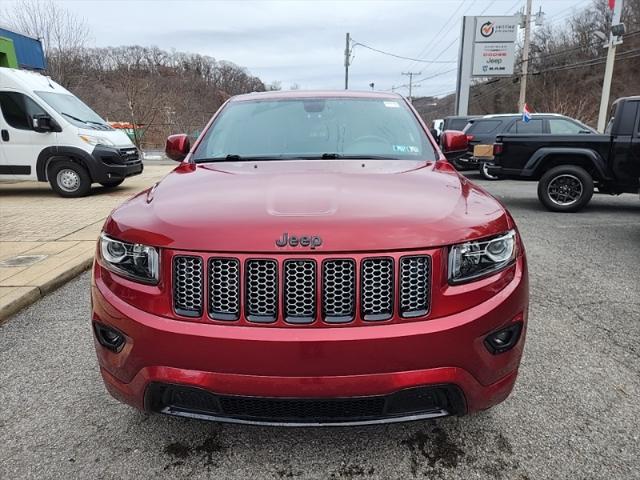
x,y
589,63
487,7
572,49
444,25
355,44
410,75
455,39
513,8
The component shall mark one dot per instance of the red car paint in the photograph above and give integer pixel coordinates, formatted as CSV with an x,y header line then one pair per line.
x,y
359,209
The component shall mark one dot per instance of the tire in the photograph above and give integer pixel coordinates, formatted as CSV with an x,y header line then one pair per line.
x,y
485,173
566,188
69,179
461,167
112,183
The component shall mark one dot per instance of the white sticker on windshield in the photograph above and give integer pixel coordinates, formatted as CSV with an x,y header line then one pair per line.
x,y
391,104
406,149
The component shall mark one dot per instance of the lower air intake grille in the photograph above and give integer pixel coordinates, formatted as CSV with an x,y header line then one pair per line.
x,y
415,275
224,288
434,401
262,290
338,290
376,285
300,291
187,286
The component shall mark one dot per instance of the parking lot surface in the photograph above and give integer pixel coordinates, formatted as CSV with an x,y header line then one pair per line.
x,y
574,413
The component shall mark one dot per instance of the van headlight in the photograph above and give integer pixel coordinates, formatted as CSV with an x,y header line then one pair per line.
x,y
93,140
132,260
475,259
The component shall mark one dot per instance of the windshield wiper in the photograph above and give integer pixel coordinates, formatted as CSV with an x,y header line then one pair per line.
x,y
80,120
334,156
232,157
72,117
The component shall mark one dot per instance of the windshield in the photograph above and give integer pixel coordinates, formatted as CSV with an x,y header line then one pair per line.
x,y
315,128
72,109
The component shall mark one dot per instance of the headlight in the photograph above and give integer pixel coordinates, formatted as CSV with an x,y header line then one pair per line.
x,y
91,140
472,260
132,260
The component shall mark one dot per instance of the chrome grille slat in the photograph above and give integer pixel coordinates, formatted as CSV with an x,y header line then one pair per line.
x,y
261,297
376,289
187,285
224,288
300,291
415,280
338,290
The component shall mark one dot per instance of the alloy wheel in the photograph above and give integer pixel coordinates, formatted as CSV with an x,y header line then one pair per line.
x,y
565,189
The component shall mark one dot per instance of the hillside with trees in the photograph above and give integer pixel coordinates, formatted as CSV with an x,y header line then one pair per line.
x,y
160,91
566,69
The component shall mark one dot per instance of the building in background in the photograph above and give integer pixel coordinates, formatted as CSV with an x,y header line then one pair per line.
x,y
20,51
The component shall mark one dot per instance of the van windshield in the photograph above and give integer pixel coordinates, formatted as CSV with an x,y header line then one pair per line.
x,y
315,128
72,109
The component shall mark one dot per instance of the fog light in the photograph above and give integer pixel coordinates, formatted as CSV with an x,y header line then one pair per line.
x,y
109,337
504,339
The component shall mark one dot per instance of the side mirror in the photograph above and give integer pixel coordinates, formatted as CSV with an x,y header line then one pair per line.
x,y
434,134
454,141
42,123
177,147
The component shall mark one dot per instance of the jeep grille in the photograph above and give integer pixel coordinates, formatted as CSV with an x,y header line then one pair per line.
x,y
224,288
262,290
300,291
307,290
187,285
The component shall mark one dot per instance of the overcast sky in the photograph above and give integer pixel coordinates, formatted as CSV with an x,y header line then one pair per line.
x,y
302,42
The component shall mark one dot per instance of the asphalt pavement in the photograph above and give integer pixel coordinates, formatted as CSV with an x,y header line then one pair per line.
x,y
574,413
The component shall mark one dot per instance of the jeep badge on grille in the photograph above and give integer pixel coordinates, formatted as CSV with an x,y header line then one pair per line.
x,y
302,241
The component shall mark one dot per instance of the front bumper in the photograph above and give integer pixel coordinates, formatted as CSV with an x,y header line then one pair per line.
x,y
112,163
263,367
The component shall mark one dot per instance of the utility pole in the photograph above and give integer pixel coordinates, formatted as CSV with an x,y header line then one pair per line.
x,y
614,39
410,75
347,58
525,59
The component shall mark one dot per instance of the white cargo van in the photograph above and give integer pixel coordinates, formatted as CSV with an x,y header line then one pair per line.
x,y
48,134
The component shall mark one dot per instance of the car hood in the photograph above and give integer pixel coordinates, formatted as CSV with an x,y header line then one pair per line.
x,y
351,205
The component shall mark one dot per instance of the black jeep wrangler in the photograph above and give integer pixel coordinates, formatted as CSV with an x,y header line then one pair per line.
x,y
569,167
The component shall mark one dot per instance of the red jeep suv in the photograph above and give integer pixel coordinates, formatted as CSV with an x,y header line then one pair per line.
x,y
313,260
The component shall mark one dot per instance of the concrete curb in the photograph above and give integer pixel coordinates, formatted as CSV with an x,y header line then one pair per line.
x,y
34,293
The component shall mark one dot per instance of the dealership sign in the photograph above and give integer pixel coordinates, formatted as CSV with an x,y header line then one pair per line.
x,y
496,29
492,59
487,50
494,46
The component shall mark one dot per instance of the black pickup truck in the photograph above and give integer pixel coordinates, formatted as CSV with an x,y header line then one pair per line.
x,y
569,167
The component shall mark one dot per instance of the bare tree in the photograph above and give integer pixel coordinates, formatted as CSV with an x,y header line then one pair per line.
x,y
63,34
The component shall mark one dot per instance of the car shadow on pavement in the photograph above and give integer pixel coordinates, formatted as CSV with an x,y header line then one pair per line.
x,y
431,449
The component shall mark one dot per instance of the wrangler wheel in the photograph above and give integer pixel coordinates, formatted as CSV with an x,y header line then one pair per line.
x,y
484,171
566,188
